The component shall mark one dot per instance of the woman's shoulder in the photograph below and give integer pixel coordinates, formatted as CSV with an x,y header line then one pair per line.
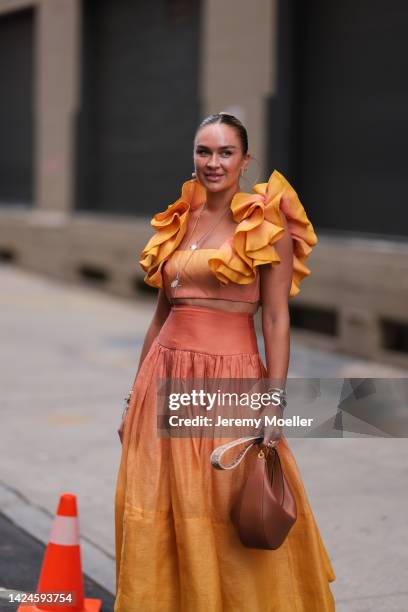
x,y
170,226
259,227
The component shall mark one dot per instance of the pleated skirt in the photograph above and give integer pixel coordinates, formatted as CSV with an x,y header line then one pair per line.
x,y
176,547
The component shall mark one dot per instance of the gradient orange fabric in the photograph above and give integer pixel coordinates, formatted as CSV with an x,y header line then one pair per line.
x,y
176,547
198,281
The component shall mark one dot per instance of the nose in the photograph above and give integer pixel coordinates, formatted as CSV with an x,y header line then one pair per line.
x,y
213,161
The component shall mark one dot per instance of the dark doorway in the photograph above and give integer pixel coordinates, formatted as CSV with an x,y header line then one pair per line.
x,y
140,105
340,114
16,108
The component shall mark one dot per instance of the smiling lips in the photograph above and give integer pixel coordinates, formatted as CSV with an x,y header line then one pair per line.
x,y
213,176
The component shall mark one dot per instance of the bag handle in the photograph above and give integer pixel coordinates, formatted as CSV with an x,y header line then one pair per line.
x,y
218,452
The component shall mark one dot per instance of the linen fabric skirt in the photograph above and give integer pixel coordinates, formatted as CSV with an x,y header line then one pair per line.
x,y
176,547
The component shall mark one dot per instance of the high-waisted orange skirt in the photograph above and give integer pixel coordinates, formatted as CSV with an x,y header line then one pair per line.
x,y
176,547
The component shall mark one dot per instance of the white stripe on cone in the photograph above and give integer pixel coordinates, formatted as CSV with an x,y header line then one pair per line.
x,y
65,530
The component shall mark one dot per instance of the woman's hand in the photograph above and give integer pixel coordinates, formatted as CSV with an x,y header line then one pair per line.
x,y
121,429
124,415
272,434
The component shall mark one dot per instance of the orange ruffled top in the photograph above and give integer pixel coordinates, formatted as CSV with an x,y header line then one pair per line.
x,y
230,272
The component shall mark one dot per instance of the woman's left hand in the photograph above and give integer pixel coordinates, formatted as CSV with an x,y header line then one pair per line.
x,y
272,434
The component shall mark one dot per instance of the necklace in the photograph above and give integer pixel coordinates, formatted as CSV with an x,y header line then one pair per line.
x,y
176,282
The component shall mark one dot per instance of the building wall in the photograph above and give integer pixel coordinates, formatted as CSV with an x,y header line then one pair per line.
x,y
238,70
356,298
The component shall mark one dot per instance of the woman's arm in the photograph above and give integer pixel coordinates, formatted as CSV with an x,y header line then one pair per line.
x,y
275,283
161,313
163,307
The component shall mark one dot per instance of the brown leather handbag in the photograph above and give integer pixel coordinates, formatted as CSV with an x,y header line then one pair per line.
x,y
265,509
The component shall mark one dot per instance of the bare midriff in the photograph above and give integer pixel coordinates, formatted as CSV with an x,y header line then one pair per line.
x,y
228,305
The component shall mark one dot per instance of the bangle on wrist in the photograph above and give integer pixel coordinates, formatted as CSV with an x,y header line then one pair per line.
x,y
282,396
280,390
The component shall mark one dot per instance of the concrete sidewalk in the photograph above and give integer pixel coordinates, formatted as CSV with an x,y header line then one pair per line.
x,y
68,358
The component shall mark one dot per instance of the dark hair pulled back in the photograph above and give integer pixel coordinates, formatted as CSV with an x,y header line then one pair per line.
x,y
233,122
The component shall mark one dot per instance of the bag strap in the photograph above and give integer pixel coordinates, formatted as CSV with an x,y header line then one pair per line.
x,y
218,452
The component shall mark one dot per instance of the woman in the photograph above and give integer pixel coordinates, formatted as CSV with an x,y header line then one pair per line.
x,y
216,255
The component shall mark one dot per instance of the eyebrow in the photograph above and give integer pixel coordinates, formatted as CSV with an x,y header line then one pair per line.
x,y
224,147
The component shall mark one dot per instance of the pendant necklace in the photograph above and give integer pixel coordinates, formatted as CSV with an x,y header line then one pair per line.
x,y
176,282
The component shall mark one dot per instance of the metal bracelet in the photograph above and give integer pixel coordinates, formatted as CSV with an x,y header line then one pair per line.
x,y
281,390
282,396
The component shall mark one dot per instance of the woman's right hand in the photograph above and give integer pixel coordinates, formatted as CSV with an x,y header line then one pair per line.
x,y
124,415
120,431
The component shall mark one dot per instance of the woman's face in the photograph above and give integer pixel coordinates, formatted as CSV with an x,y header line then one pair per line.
x,y
218,157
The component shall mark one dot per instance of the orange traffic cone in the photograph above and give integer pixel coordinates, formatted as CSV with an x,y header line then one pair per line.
x,y
61,571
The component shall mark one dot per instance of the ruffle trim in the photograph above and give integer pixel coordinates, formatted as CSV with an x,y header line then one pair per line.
x,y
170,226
259,227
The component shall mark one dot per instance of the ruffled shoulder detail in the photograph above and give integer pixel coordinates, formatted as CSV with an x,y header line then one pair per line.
x,y
259,228
170,226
